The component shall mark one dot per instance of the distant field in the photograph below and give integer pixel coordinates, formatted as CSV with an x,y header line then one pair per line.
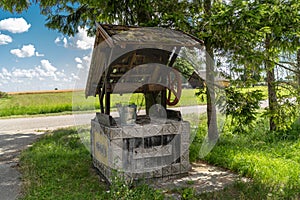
x,y
57,101
32,103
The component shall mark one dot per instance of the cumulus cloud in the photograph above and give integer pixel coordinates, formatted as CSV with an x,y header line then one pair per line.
x,y
45,75
5,39
80,41
24,73
57,40
48,66
65,41
5,72
83,62
14,25
25,51
78,60
37,54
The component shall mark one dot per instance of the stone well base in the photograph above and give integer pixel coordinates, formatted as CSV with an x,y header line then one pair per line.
x,y
141,151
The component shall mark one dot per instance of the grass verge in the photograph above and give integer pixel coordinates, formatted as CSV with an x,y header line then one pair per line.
x,y
58,166
271,160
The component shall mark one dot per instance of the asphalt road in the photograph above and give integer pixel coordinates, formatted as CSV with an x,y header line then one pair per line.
x,y
51,122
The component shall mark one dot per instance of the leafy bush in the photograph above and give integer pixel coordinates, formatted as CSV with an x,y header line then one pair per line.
x,y
3,95
241,107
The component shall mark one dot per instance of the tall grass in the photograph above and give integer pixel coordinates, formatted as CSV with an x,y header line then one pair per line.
x,y
272,160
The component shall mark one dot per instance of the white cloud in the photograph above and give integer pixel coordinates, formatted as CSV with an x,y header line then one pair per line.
x,y
48,66
57,40
14,25
78,60
75,76
24,73
83,63
37,54
65,41
5,39
5,72
25,51
80,41
60,74
79,66
87,58
79,63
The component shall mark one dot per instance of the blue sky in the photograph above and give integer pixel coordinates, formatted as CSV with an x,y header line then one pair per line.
x,y
33,57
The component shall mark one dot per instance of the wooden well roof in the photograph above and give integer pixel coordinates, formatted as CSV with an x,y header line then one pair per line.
x,y
111,58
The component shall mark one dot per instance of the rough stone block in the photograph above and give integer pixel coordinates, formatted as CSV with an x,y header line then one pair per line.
x,y
157,173
184,157
115,133
185,167
175,168
184,147
166,171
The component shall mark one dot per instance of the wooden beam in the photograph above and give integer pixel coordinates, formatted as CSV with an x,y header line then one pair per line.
x,y
107,103
174,56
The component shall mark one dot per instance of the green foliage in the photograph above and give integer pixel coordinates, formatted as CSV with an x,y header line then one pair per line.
x,y
58,166
122,190
240,190
67,15
241,108
271,160
3,95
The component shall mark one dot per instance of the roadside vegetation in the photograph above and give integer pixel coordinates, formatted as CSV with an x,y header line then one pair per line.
x,y
58,166
66,102
270,159
33,104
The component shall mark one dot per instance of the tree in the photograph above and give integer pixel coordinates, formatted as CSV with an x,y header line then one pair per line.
x,y
67,15
254,33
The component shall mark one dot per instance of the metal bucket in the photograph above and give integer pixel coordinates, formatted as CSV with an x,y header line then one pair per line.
x,y
127,114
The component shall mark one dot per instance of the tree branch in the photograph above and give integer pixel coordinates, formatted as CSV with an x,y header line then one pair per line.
x,y
285,67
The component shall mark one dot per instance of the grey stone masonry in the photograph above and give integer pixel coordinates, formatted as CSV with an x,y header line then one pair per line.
x,y
141,151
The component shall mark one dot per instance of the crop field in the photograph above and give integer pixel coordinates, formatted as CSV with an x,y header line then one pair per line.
x,y
68,101
45,102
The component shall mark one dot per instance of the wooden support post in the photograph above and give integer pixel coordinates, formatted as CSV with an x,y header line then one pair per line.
x,y
101,103
107,102
164,98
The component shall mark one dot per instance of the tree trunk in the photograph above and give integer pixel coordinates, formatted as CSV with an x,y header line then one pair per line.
x,y
210,93
210,80
298,68
272,97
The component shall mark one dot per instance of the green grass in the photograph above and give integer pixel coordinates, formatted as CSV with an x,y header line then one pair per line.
x,y
58,166
33,104
271,160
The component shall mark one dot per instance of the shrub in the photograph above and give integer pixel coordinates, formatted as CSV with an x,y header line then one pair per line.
x,y
3,95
